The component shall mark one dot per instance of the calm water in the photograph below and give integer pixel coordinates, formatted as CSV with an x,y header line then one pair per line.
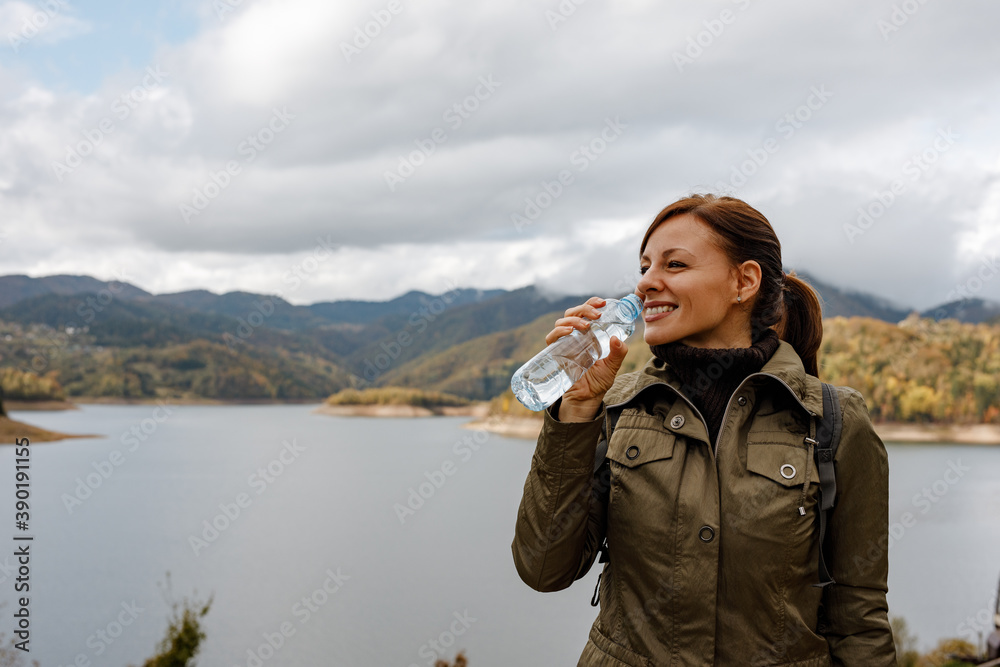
x,y
327,508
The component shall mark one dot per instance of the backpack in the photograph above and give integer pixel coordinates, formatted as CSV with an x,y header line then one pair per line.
x,y
828,438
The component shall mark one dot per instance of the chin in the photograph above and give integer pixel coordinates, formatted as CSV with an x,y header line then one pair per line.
x,y
657,338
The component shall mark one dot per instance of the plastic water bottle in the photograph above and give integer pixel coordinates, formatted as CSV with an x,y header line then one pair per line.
x,y
545,377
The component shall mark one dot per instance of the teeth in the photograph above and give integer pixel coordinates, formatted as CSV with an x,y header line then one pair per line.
x,y
660,309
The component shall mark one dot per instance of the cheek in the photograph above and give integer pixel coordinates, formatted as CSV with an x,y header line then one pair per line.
x,y
705,302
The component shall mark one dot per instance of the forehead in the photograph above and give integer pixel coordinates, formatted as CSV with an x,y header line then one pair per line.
x,y
682,233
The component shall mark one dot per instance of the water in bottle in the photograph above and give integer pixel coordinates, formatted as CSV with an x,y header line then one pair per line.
x,y
547,375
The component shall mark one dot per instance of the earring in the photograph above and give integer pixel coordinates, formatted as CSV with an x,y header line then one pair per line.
x,y
738,299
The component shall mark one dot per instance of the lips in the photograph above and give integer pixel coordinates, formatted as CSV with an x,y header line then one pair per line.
x,y
657,312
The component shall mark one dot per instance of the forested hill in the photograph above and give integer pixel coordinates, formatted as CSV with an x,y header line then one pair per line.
x,y
116,340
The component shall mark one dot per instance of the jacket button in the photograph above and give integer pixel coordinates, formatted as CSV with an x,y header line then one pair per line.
x,y
742,400
631,452
677,421
707,534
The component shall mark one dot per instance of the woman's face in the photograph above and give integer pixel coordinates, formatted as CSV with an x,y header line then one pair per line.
x,y
683,267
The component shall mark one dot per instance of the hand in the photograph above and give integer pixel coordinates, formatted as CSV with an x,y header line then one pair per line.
x,y
588,392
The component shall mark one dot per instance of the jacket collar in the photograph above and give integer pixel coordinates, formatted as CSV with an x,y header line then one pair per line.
x,y
784,364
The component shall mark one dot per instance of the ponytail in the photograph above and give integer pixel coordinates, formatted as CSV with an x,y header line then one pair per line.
x,y
801,323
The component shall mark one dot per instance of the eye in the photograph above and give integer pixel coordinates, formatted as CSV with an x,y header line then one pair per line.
x,y
675,262
643,269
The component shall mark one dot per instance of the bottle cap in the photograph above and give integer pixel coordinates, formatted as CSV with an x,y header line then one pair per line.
x,y
633,305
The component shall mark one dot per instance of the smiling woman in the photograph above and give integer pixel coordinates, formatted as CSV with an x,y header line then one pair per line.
x,y
706,507
724,256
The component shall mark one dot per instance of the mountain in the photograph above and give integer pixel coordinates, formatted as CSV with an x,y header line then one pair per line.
x,y
967,310
366,312
15,288
112,338
850,303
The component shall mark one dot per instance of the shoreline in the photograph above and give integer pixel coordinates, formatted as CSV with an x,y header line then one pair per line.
x,y
75,402
528,428
12,430
386,410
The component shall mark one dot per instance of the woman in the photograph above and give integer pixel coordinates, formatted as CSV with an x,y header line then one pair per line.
x,y
708,496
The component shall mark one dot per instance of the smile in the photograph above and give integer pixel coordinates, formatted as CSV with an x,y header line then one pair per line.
x,y
650,314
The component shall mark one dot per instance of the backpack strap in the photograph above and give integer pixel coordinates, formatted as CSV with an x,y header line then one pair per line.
x,y
600,459
827,440
610,420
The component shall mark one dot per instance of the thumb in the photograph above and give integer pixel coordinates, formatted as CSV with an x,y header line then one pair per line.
x,y
618,351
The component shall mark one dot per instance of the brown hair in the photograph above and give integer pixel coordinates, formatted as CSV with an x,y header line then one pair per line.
x,y
790,306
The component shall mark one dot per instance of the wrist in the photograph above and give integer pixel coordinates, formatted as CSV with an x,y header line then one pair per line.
x,y
575,410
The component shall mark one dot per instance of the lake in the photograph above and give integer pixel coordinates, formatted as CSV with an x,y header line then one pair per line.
x,y
292,521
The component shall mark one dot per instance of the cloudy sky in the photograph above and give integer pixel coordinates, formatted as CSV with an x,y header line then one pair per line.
x,y
381,146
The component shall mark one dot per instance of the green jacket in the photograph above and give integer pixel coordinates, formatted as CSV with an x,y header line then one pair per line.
x,y
712,562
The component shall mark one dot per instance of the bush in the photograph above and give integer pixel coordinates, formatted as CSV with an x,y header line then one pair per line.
x,y
184,635
395,396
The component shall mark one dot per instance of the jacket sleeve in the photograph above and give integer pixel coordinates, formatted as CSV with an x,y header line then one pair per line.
x,y
562,517
854,609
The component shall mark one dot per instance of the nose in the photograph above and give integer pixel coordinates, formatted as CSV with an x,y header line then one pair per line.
x,y
645,285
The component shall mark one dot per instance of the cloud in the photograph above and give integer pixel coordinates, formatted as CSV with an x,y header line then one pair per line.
x,y
479,110
45,23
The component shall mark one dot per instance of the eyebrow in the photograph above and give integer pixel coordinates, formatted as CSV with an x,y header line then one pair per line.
x,y
666,253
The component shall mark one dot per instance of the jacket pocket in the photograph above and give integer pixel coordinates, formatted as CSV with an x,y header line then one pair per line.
x,y
782,458
640,438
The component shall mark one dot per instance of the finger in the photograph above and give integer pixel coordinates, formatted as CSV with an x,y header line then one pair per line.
x,y
557,333
575,322
585,310
589,306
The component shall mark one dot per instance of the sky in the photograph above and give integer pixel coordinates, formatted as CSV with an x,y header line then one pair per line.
x,y
359,150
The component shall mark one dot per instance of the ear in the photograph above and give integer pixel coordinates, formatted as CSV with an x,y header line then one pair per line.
x,y
748,276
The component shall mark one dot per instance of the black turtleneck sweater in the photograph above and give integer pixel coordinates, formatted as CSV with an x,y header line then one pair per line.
x,y
709,376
